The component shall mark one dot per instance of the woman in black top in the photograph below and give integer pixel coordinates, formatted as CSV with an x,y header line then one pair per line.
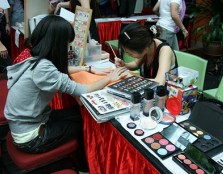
x,y
152,56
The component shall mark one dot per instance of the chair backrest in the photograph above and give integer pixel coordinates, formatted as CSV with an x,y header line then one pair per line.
x,y
219,93
194,62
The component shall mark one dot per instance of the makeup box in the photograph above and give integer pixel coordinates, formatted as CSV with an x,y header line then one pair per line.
x,y
181,100
182,77
194,161
206,122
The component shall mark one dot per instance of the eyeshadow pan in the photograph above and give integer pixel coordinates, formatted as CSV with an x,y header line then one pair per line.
x,y
200,171
157,136
200,133
181,156
163,141
131,125
186,124
193,166
162,151
207,137
192,128
187,161
170,147
139,132
155,145
149,140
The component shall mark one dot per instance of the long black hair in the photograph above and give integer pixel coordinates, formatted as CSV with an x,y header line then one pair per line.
x,y
135,37
50,41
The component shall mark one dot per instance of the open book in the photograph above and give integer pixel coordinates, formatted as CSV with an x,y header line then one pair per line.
x,y
104,106
131,84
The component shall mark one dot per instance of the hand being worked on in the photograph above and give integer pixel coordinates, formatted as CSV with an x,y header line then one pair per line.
x,y
101,71
119,62
117,74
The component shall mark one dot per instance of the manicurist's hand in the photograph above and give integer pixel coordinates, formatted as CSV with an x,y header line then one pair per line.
x,y
119,62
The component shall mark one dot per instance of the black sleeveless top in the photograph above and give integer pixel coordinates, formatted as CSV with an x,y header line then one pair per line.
x,y
150,71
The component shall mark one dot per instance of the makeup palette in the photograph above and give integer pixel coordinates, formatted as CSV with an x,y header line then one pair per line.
x,y
160,145
205,141
193,161
131,84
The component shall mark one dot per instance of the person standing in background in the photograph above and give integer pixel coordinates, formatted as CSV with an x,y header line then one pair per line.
x,y
90,4
126,8
5,60
16,11
171,13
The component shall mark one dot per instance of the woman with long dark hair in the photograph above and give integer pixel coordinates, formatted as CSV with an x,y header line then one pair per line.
x,y
32,85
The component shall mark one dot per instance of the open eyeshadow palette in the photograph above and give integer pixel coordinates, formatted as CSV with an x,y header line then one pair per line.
x,y
160,145
131,84
205,141
194,161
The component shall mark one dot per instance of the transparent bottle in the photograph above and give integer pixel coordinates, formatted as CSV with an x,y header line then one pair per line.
x,y
70,57
135,106
148,101
161,97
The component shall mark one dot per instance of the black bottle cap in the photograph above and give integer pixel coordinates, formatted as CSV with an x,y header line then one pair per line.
x,y
161,90
135,97
148,93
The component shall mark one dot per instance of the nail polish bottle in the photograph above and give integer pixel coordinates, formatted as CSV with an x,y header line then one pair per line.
x,y
135,106
70,57
161,97
148,101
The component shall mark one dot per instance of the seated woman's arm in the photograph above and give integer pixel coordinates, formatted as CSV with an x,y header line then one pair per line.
x,y
91,69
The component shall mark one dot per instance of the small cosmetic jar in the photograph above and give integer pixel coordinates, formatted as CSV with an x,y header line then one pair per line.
x,y
151,122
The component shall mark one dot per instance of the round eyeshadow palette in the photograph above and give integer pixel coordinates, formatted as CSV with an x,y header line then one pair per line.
x,y
205,141
160,145
131,125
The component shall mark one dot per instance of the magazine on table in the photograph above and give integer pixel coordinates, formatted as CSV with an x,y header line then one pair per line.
x,y
131,84
104,106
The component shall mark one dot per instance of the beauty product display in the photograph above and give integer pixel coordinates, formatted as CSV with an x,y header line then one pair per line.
x,y
178,136
161,97
155,116
205,141
135,106
160,145
148,101
193,161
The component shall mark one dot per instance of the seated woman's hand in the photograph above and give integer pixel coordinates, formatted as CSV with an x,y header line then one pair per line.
x,y
117,74
101,71
119,62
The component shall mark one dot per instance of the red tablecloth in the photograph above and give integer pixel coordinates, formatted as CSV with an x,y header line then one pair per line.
x,y
108,151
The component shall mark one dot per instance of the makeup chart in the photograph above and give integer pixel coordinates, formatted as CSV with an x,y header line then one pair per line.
x,y
104,102
81,28
205,141
160,145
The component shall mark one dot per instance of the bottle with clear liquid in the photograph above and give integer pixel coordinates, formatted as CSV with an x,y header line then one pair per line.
x,y
148,101
135,106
